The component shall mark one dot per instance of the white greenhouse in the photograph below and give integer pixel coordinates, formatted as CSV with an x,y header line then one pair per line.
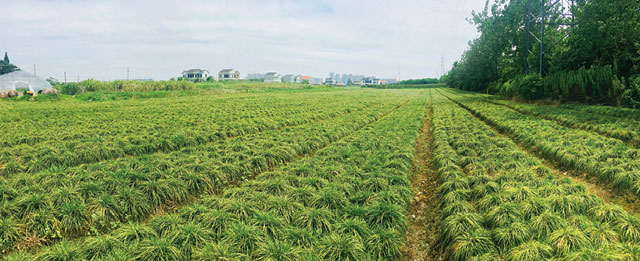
x,y
23,80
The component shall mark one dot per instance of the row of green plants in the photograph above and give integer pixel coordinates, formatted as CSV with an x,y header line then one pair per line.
x,y
87,199
114,134
406,86
91,85
33,123
619,127
499,203
257,86
345,202
612,160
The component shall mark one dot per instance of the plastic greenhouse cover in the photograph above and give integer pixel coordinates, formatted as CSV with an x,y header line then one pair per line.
x,y
23,80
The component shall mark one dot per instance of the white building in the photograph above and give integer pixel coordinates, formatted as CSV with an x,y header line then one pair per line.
x,y
195,74
228,74
371,81
255,76
288,78
330,81
272,77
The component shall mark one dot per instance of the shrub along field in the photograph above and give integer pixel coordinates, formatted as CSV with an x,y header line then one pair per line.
x,y
320,174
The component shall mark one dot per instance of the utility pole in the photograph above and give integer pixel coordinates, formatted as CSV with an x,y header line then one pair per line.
x,y
562,8
542,20
127,73
528,32
65,77
34,69
78,77
441,66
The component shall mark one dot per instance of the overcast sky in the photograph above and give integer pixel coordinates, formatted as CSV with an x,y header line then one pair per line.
x,y
159,39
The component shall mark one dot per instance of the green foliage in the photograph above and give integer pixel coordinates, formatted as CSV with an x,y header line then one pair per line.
x,y
277,250
341,247
403,85
157,249
65,250
420,81
99,247
6,66
568,239
220,250
631,96
10,233
604,39
123,86
474,243
164,167
529,213
530,251
384,244
629,228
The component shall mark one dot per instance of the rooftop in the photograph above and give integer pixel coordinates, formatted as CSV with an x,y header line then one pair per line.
x,y
195,71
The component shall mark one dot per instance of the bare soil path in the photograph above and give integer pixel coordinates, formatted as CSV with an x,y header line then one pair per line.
x,y
421,241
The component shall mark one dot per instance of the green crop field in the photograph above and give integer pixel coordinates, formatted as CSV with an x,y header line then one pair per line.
x,y
325,174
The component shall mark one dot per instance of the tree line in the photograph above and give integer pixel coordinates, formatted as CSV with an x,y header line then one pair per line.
x,y
590,56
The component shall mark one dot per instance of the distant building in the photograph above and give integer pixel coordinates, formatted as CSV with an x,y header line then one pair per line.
x,y
330,81
255,76
228,74
195,74
370,81
272,77
357,82
316,81
301,79
288,78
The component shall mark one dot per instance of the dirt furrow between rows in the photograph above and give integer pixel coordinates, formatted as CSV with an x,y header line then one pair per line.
x,y
421,241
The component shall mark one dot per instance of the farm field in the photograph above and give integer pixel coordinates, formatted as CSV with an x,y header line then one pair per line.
x,y
353,174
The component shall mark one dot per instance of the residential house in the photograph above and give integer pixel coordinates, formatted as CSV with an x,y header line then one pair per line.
x,y
370,81
316,81
228,74
272,77
302,79
329,81
255,76
195,75
288,78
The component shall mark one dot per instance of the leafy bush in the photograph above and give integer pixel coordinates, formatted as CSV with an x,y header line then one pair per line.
x,y
529,86
631,96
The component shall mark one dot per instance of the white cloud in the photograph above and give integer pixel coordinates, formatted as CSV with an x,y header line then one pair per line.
x,y
159,39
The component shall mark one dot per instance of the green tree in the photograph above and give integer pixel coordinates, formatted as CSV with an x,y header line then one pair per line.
x,y
6,66
601,51
606,33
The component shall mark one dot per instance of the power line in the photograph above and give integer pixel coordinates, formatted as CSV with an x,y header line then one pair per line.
x,y
566,7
